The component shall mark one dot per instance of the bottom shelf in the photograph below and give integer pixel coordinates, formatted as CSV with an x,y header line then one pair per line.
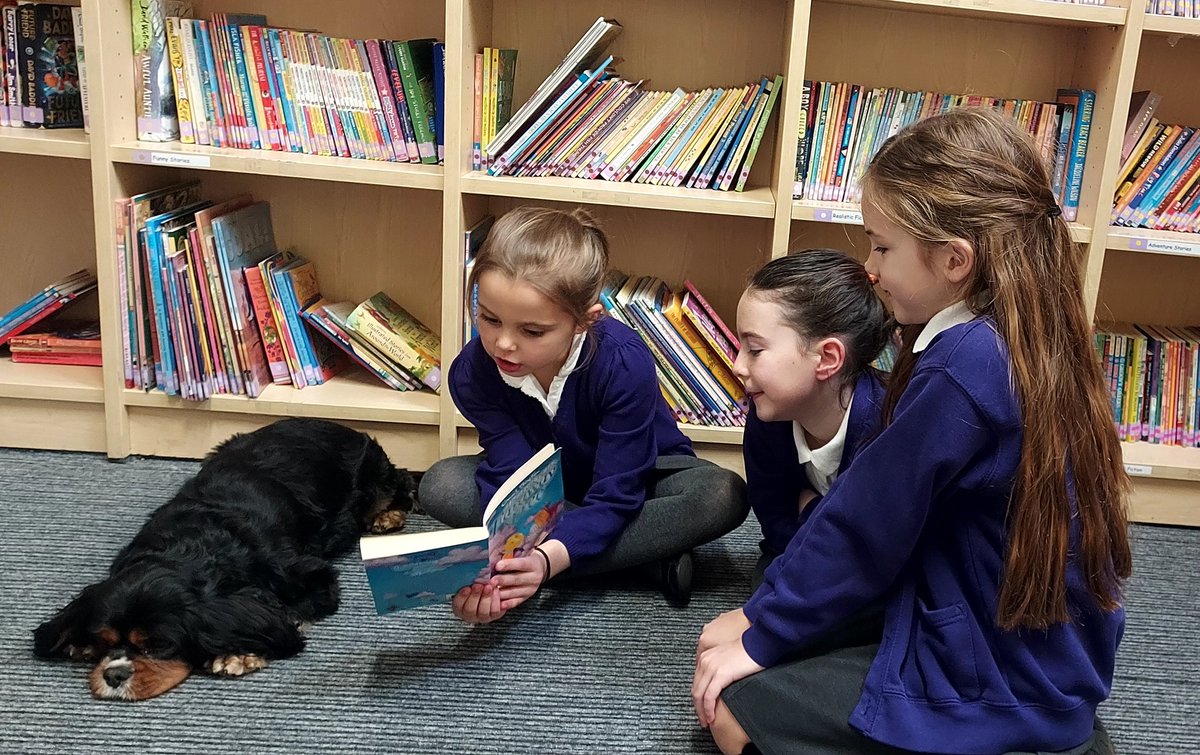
x,y
51,406
352,396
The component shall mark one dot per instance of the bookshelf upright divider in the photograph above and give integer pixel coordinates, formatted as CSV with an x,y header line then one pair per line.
x,y
371,225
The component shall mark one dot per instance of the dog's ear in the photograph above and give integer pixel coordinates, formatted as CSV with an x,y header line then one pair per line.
x,y
68,634
247,621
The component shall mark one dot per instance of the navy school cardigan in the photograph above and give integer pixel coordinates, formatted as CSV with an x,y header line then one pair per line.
x,y
774,475
919,521
612,425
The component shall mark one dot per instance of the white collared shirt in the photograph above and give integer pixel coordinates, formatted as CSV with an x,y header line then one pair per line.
x,y
529,385
956,314
821,464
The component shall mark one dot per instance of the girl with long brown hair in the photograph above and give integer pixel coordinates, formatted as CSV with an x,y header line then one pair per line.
x,y
987,519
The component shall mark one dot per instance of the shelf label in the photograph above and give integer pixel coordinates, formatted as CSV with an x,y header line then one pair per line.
x,y
827,215
1162,246
1139,470
173,159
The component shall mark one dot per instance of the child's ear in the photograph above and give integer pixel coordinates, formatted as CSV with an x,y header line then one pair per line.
x,y
590,316
959,261
831,354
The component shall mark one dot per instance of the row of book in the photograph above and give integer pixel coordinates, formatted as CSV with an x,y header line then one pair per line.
x,y
43,81
44,303
1177,8
68,343
584,121
495,72
1152,375
693,349
212,306
1159,182
846,124
236,82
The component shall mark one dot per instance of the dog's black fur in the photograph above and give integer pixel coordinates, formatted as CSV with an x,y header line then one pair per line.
x,y
223,575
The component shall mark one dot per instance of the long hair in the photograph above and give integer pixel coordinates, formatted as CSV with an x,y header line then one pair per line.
x,y
561,254
825,293
972,174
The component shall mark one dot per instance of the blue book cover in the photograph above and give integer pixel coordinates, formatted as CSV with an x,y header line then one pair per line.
x,y
408,571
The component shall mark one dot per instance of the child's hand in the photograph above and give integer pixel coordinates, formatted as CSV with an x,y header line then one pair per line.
x,y
725,628
519,579
716,669
807,497
478,603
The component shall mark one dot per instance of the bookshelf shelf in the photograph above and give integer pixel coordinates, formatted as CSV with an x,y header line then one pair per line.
x,y
756,202
284,164
51,382
353,396
846,213
1171,26
49,143
1030,11
1154,242
1161,462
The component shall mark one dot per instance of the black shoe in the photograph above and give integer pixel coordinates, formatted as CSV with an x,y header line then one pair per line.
x,y
676,578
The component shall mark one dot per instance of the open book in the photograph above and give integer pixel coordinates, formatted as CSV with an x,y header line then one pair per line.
x,y
406,571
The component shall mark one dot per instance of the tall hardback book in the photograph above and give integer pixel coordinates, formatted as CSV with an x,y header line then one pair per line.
x,y
411,570
402,337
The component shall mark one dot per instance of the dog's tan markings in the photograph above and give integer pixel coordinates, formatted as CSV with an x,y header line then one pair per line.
x,y
108,636
237,665
388,521
147,678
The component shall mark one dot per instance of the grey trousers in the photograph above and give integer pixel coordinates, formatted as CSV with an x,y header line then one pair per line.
x,y
689,502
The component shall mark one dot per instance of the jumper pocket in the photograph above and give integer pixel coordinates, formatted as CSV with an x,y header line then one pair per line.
x,y
941,655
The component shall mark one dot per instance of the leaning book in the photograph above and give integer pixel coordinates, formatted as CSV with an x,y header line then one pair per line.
x,y
407,571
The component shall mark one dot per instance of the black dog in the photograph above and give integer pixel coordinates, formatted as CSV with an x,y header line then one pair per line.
x,y
223,575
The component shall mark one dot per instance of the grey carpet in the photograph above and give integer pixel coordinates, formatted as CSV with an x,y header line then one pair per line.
x,y
587,670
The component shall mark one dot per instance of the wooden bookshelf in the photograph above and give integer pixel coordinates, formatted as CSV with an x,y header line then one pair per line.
x,y
398,227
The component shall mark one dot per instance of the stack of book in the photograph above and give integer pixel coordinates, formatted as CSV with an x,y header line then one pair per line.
x,y
42,72
77,344
693,348
384,339
1159,183
585,122
846,124
45,303
234,81
1177,8
1152,376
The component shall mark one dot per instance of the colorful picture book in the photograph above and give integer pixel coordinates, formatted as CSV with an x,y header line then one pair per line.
x,y
234,81
1158,185
45,303
693,348
844,125
411,570
1152,374
589,123
402,338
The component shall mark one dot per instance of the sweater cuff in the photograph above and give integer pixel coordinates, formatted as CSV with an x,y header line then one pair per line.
x,y
763,647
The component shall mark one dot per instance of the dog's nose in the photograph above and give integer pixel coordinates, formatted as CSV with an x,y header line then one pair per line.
x,y
115,676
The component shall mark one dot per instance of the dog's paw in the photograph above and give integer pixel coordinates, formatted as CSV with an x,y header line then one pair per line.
x,y
388,521
237,665
77,653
